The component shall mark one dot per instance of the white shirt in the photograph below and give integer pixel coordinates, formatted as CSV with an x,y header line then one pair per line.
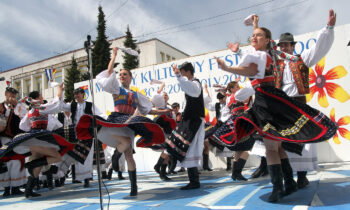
x,y
50,108
80,110
110,84
225,111
310,57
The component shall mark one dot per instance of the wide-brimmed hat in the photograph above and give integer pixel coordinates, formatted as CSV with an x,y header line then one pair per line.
x,y
78,90
220,96
286,37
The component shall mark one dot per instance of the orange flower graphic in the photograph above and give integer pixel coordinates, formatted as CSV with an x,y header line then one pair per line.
x,y
341,122
322,84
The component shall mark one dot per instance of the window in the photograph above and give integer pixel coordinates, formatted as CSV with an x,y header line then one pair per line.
x,y
37,83
27,85
17,86
162,56
58,76
173,58
168,58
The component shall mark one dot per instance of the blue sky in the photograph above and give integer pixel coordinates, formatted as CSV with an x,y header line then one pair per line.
x,y
38,29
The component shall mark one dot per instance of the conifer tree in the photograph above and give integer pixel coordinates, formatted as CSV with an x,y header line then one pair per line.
x,y
100,55
130,61
72,76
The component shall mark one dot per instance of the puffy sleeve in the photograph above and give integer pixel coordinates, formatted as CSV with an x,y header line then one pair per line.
x,y
191,88
52,107
66,107
244,93
208,103
109,83
145,105
257,57
25,124
53,123
158,100
324,42
20,110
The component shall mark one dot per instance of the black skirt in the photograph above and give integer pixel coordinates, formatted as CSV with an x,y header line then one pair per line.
x,y
278,117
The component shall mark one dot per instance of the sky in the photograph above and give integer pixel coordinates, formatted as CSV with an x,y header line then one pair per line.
x,y
37,29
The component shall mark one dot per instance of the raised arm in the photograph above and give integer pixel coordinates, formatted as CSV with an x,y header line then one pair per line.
x,y
111,62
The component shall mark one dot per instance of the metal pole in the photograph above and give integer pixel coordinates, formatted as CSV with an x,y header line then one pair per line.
x,y
87,46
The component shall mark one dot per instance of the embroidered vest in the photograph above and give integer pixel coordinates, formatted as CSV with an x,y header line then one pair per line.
x,y
300,74
270,75
125,102
236,107
12,127
37,120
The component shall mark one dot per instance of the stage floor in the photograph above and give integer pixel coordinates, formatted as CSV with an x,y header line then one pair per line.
x,y
329,188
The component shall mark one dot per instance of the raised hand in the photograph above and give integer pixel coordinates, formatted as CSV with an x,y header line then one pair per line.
x,y
332,18
175,69
233,47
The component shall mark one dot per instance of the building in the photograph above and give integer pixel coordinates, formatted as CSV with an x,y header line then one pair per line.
x,y
32,76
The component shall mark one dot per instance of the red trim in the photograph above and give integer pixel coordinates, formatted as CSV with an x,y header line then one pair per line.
x,y
256,82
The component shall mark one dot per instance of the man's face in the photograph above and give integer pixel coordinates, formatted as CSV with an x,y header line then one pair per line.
x,y
287,47
176,109
79,97
166,97
222,100
10,96
186,73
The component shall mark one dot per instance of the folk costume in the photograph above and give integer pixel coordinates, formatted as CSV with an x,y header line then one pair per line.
x,y
187,140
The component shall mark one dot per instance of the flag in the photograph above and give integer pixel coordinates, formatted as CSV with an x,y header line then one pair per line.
x,y
53,72
48,73
86,90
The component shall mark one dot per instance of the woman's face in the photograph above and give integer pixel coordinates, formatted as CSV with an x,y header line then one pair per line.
x,y
125,78
259,40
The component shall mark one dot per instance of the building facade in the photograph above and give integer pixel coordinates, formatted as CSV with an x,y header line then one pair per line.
x,y
32,77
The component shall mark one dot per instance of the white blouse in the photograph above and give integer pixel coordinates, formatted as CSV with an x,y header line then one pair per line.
x,y
111,85
50,108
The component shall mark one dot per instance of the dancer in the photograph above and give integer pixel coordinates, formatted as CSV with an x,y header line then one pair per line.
x,y
44,146
123,124
295,83
15,175
273,114
82,171
186,141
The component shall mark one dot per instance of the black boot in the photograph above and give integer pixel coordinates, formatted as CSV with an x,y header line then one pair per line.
x,y
86,183
6,192
35,163
115,160
290,185
62,180
37,184
133,181
74,181
276,179
172,167
158,165
194,179
29,188
104,175
57,183
162,173
120,175
228,163
16,191
49,179
206,162
109,174
302,180
261,170
237,170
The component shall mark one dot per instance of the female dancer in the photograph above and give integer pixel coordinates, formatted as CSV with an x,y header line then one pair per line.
x,y
273,114
123,124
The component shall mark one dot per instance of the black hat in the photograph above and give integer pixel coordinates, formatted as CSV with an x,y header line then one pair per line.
x,y
78,90
11,90
220,96
174,105
286,37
